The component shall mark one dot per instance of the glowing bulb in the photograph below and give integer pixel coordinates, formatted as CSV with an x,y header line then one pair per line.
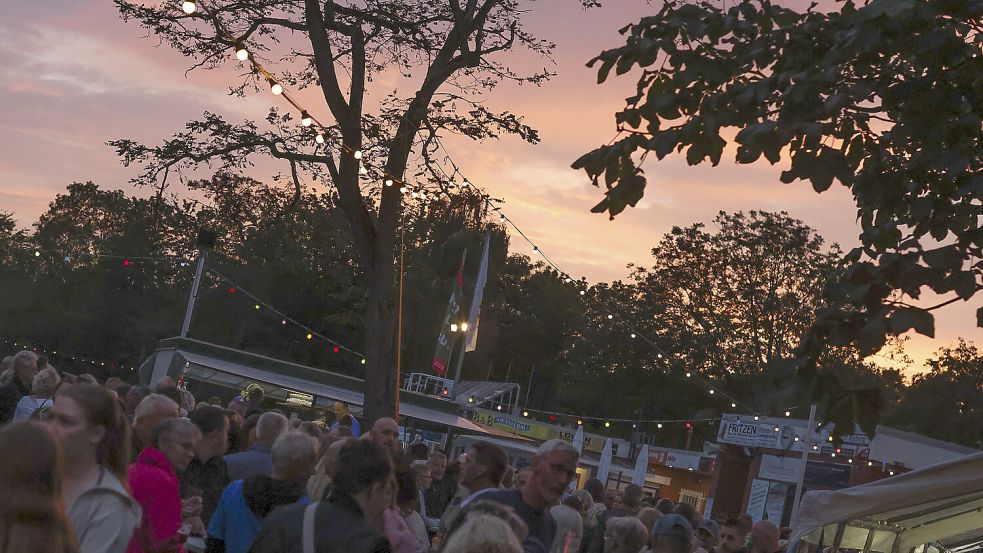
x,y
756,417
283,321
453,327
389,182
891,473
189,7
402,190
257,306
37,254
363,170
464,327
358,154
535,249
583,293
796,438
788,414
242,54
276,89
525,413
870,463
305,119
319,138
660,356
849,460
499,407
830,439
466,183
607,424
633,335
659,425
777,429
501,218
567,280
309,336
689,374
363,360
711,392
733,406
610,317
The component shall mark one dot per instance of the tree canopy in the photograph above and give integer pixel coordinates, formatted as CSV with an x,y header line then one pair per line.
x,y
884,98
445,54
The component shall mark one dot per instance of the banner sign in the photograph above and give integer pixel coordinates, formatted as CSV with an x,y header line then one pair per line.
x,y
743,430
445,340
527,428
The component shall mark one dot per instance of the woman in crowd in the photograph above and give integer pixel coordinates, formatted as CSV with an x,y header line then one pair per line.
x,y
398,533
624,535
32,514
153,481
42,388
408,503
569,529
94,435
483,533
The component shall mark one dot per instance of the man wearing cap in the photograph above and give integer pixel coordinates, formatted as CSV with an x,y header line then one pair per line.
x,y
672,534
705,536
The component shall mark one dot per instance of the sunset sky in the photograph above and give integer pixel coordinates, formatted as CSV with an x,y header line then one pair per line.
x,y
74,76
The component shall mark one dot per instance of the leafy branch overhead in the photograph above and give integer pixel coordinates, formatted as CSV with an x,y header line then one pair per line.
x,y
885,98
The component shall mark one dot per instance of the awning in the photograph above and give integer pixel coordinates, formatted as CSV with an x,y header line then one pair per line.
x,y
236,375
938,505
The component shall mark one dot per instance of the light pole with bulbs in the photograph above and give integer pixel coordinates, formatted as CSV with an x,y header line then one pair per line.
x,y
463,329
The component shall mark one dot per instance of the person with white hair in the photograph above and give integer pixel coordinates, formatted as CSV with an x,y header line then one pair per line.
x,y
553,468
258,459
23,368
42,389
150,412
245,503
569,529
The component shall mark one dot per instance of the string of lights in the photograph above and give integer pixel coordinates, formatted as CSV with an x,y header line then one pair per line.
x,y
242,54
55,356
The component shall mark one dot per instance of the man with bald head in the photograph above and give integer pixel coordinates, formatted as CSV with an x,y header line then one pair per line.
x,y
385,432
258,459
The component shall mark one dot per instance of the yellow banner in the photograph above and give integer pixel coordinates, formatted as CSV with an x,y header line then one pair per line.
x,y
515,425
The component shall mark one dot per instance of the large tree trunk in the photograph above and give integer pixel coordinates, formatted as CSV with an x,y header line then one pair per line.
x,y
380,349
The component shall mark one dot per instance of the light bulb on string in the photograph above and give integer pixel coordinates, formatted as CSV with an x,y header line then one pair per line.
x,y
320,137
336,349
310,336
568,280
389,182
633,335
659,425
583,293
305,119
688,374
466,183
357,154
733,406
788,413
402,190
189,7
607,424
610,317
501,218
275,88
363,360
242,54
711,391
37,253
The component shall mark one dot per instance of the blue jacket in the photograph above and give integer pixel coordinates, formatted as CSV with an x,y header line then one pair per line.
x,y
242,508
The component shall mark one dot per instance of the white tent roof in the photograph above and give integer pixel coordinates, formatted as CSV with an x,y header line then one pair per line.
x,y
940,504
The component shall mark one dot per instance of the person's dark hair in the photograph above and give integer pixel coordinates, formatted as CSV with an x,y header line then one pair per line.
x,y
632,496
665,505
407,489
418,452
311,429
595,488
493,458
122,390
208,418
102,410
687,511
42,362
733,522
214,400
172,393
361,463
32,517
453,468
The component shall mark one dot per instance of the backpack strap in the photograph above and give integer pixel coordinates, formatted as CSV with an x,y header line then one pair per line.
x,y
307,531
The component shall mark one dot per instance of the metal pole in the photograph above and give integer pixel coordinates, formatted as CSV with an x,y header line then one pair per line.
x,y
202,253
529,387
460,360
806,448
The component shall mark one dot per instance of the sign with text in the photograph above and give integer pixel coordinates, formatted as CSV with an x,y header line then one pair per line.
x,y
779,433
528,428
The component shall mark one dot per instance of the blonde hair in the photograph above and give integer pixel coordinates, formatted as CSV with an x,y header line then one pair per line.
x,y
628,533
45,383
483,534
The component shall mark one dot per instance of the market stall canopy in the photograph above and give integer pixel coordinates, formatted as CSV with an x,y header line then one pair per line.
x,y
937,507
284,381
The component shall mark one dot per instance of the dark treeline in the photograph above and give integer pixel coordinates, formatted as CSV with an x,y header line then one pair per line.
x,y
104,276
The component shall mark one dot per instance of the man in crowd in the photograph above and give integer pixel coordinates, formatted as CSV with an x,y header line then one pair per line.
x,y
553,468
257,459
706,535
665,506
245,503
360,492
482,468
628,507
764,537
24,366
385,432
442,486
611,498
152,410
672,534
207,474
732,536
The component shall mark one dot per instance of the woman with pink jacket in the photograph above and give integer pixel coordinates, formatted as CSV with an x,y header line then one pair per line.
x,y
154,485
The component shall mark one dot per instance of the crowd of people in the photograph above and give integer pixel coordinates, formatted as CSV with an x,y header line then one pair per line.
x,y
114,468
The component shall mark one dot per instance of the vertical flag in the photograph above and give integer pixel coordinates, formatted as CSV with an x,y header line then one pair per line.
x,y
479,288
445,340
